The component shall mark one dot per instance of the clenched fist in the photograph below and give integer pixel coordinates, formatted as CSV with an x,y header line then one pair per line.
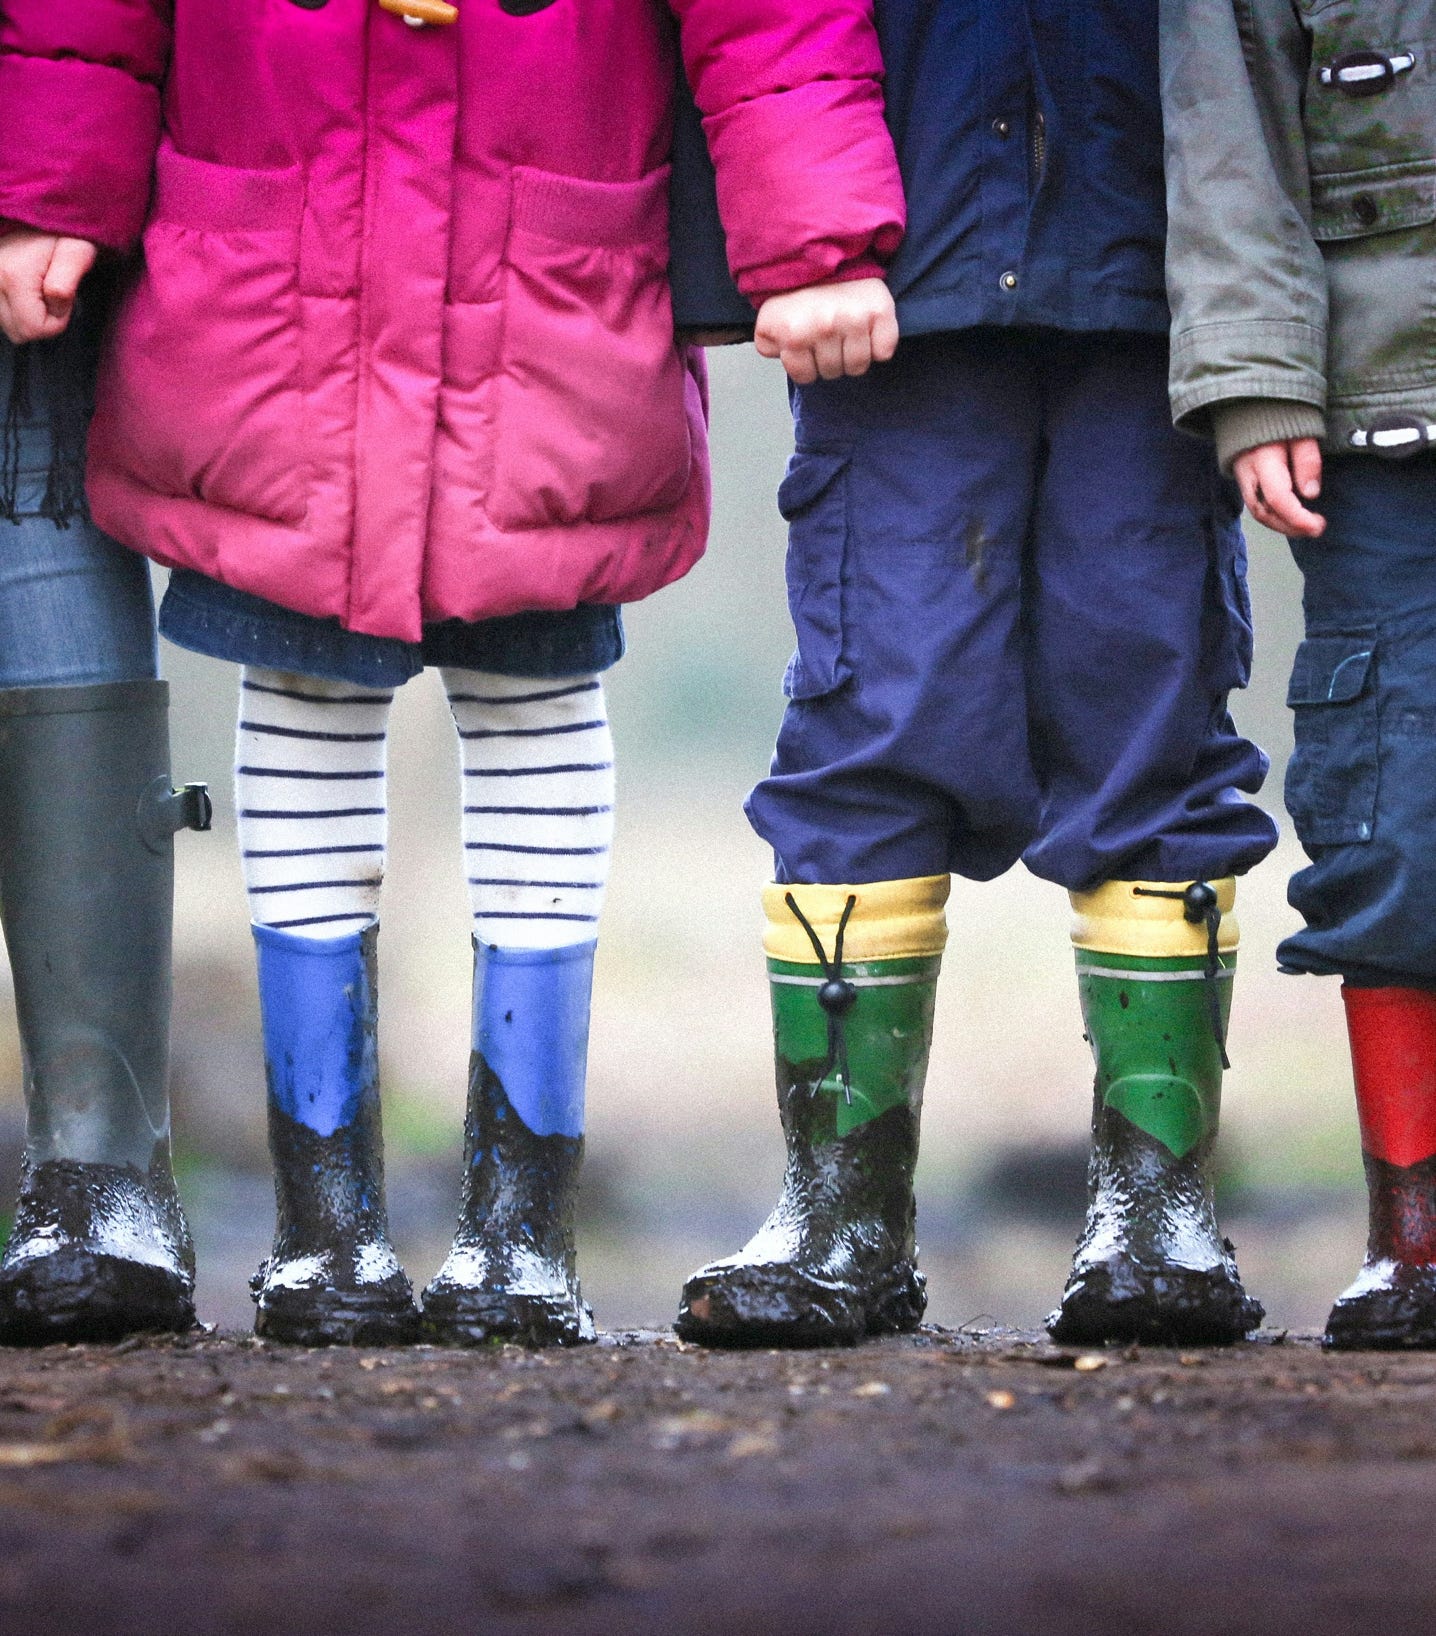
x,y
829,330
40,276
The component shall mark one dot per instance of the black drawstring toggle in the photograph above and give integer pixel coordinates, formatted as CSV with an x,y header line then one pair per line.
x,y
837,996
1199,906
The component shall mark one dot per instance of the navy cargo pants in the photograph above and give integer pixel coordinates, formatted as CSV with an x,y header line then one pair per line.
x,y
1361,786
1020,603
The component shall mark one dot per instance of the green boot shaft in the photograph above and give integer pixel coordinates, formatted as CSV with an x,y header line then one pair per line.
x,y
885,1035
1159,1063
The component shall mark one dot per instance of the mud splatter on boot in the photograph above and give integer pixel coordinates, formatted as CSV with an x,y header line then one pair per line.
x,y
333,1277
1151,1265
512,1273
1391,1306
837,1258
97,1252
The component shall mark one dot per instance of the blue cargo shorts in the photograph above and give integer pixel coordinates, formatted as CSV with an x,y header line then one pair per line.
x,y
1361,785
1020,601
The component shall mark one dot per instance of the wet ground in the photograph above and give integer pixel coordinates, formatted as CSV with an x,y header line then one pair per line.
x,y
937,1483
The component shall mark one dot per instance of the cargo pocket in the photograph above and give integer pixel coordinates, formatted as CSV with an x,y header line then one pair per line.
x,y
591,422
1331,780
203,394
813,499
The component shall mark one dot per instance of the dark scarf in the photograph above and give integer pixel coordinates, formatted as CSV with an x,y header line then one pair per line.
x,y
63,370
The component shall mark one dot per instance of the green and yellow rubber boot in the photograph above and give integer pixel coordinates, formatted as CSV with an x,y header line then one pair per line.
x,y
1155,966
853,974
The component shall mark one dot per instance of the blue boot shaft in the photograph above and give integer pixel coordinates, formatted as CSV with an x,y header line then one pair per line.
x,y
531,1013
317,999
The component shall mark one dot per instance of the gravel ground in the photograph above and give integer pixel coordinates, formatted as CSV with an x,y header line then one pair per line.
x,y
937,1483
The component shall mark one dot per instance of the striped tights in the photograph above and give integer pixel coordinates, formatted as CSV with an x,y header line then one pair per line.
x,y
537,762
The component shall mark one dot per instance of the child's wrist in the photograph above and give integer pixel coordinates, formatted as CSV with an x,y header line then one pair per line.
x,y
1248,423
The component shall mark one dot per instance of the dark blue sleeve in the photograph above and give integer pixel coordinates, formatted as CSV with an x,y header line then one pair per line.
x,y
704,294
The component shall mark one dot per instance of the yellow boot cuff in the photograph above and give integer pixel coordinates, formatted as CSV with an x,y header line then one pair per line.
x,y
1117,919
891,920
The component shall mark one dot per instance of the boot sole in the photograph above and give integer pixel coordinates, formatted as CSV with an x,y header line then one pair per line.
x,y
336,1318
75,1296
1395,1320
469,1318
776,1307
1176,1307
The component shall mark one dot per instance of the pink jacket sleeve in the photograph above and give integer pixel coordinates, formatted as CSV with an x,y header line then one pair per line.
x,y
80,113
791,97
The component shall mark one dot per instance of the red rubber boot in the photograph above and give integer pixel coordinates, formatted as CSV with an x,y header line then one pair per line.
x,y
1392,1304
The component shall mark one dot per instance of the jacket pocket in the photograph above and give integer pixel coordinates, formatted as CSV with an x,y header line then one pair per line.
x,y
1331,780
203,394
813,499
590,419
1370,136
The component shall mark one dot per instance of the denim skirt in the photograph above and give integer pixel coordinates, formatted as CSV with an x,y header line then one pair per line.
x,y
207,617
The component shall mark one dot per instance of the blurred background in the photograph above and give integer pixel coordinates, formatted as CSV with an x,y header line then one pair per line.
x,y
684,1150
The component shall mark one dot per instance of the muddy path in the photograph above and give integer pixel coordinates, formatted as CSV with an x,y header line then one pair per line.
x,y
935,1483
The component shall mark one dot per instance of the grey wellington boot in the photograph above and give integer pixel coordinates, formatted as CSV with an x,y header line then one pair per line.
x,y
99,1247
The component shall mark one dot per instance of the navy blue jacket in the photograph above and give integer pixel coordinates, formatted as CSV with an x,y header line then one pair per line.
x,y
1030,138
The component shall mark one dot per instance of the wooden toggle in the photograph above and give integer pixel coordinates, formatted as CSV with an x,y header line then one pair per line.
x,y
416,12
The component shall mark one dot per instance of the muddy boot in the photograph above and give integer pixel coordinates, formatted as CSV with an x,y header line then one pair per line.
x,y
333,1278
1155,965
1392,1304
511,1274
837,1258
99,1248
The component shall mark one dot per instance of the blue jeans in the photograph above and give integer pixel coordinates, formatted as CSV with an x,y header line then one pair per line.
x,y
1020,600
1361,785
75,607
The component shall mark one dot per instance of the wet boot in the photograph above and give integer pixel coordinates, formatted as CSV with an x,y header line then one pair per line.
x,y
1392,1304
511,1274
1155,966
853,975
99,1248
332,1278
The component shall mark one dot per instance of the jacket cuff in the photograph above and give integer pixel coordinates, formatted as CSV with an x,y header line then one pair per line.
x,y
79,148
1249,422
808,186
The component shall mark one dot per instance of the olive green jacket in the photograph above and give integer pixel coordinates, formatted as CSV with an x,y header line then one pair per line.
x,y
1301,191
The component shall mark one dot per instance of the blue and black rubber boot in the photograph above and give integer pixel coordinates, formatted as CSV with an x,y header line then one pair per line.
x,y
512,1274
333,1277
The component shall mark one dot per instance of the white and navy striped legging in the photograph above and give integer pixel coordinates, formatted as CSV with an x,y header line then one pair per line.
x,y
537,761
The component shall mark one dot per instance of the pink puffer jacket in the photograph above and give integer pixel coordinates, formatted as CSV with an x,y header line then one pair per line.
x,y
401,349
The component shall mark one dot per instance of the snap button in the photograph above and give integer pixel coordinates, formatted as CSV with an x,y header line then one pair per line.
x,y
1001,126
1008,281
1365,209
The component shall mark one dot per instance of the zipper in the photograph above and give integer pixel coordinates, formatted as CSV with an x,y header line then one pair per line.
x,y
1039,148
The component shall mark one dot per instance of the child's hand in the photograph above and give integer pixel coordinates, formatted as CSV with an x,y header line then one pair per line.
x,y
830,330
1274,480
40,276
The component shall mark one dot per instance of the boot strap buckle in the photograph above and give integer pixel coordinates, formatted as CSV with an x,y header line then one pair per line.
x,y
165,810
